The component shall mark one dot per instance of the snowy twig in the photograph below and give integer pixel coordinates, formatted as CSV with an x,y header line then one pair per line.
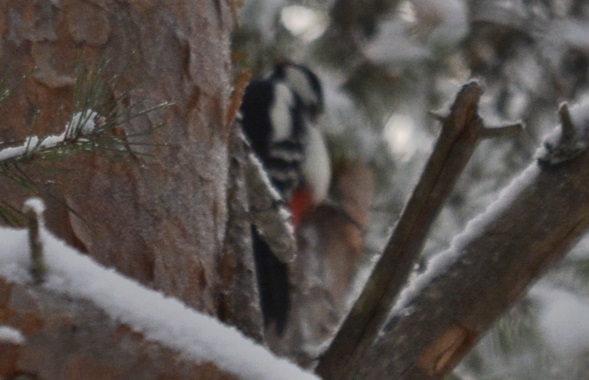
x,y
33,210
95,125
461,130
81,126
566,122
568,144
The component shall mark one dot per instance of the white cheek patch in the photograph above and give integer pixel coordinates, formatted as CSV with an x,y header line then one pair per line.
x,y
280,113
299,81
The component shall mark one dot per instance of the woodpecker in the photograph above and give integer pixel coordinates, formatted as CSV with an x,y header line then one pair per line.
x,y
279,115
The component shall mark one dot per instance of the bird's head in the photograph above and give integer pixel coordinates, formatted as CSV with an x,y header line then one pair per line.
x,y
304,83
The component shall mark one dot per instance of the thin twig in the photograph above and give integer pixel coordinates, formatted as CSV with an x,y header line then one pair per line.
x,y
508,130
33,209
566,122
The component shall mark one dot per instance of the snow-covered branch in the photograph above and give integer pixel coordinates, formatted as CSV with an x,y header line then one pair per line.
x,y
443,312
139,322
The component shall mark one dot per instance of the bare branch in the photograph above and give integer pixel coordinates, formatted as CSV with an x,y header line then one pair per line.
x,y
461,130
509,130
490,265
566,122
33,210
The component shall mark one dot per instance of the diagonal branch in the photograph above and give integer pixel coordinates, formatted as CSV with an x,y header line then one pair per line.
x,y
461,130
489,266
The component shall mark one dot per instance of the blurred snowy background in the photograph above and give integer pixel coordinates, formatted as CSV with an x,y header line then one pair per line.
x,y
384,65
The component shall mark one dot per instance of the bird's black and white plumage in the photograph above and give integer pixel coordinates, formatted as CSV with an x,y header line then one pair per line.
x,y
278,116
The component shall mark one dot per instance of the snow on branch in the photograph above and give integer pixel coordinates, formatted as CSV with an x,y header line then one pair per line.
x,y
83,132
571,140
160,319
10,335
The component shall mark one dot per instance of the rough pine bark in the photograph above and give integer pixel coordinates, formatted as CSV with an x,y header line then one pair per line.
x,y
162,215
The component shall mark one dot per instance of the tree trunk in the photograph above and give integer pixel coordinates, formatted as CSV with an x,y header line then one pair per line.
x,y
162,215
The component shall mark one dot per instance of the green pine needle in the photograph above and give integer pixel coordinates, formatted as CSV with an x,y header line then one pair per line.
x,y
94,105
